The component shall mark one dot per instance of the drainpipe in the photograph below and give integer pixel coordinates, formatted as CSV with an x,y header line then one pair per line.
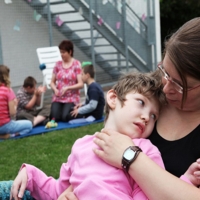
x,y
49,23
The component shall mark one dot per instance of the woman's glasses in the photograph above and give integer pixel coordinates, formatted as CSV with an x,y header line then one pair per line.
x,y
176,85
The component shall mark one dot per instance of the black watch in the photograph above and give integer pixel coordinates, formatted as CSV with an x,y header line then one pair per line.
x,y
129,155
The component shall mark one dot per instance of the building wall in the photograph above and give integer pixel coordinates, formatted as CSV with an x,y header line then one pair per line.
x,y
19,47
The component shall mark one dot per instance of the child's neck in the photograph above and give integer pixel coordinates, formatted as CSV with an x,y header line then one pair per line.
x,y
90,80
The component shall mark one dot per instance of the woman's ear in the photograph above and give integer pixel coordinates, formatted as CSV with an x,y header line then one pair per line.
x,y
111,98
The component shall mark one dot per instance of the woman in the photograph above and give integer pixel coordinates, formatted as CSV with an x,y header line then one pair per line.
x,y
66,82
8,104
177,132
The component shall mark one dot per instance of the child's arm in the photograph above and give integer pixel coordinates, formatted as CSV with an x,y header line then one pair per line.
x,y
88,107
193,173
41,89
32,102
36,181
39,184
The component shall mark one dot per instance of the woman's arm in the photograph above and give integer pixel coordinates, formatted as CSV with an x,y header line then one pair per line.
x,y
156,183
53,82
76,86
12,105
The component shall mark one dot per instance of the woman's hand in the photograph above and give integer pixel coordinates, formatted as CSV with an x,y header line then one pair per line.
x,y
19,185
64,90
113,145
56,92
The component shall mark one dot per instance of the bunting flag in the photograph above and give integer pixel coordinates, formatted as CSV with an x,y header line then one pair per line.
x,y
100,21
143,17
17,26
8,1
118,24
59,22
36,16
29,1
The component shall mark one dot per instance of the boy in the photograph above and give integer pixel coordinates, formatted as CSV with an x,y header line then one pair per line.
x,y
95,102
132,108
29,98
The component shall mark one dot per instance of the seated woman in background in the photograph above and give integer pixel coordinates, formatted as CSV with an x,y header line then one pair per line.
x,y
66,82
8,104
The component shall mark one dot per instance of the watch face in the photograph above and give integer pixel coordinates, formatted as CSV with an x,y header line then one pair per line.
x,y
129,154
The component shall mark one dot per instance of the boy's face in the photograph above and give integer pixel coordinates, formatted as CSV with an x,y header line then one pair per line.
x,y
136,118
30,90
84,77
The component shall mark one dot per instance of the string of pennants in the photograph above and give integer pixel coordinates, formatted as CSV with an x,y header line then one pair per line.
x,y
59,22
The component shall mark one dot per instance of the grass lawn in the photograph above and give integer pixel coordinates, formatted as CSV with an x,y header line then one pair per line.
x,y
46,151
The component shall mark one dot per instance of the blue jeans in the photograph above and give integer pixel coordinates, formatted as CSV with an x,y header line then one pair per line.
x,y
5,187
21,126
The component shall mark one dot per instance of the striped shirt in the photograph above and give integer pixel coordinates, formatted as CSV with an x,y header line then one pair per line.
x,y
6,95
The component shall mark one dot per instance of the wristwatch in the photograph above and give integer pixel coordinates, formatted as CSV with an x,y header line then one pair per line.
x,y
129,155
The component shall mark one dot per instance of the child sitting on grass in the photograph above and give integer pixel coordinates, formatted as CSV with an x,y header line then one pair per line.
x,y
95,101
29,98
132,109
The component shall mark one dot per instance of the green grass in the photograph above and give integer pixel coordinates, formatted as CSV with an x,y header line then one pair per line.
x,y
46,151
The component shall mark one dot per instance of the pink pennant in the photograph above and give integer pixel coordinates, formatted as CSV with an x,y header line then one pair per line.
x,y
100,21
143,17
29,1
59,22
118,24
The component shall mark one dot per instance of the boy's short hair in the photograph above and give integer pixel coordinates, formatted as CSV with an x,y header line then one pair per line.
x,y
88,69
147,84
29,82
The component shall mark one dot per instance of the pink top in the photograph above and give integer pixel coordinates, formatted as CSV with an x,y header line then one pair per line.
x,y
6,95
90,177
67,77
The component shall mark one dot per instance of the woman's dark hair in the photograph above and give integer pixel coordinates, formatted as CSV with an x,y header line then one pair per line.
x,y
183,49
67,45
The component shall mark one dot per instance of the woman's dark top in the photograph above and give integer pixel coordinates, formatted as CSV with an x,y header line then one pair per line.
x,y
178,155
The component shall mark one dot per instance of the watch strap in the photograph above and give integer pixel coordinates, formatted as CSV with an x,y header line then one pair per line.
x,y
126,163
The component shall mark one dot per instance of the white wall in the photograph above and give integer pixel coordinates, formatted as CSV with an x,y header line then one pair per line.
x,y
19,47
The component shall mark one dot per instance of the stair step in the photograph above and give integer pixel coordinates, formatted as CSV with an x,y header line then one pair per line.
x,y
75,21
68,31
78,38
111,60
64,12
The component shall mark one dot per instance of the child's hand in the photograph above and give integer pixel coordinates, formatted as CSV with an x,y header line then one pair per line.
x,y
19,185
77,106
193,173
68,194
41,89
74,113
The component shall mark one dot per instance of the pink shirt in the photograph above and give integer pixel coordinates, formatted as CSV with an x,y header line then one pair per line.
x,y
67,77
6,95
90,177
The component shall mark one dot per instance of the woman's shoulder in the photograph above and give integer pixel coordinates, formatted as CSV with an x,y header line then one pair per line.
x,y
76,63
